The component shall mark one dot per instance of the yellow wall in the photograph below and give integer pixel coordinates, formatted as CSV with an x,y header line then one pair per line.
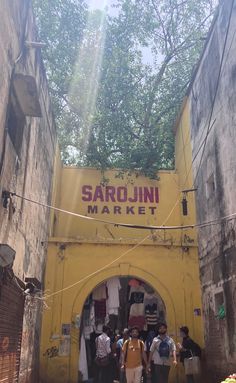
x,y
83,253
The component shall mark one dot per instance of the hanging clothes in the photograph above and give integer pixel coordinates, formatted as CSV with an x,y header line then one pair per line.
x,y
136,299
100,309
138,321
83,366
100,293
151,314
134,283
113,301
151,309
89,320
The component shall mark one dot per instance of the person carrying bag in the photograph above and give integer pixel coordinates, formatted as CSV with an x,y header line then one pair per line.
x,y
103,357
190,355
133,356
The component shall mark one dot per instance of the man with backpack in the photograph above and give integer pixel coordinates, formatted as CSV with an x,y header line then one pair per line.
x,y
161,352
133,355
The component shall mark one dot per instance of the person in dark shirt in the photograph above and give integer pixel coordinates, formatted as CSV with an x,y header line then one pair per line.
x,y
187,349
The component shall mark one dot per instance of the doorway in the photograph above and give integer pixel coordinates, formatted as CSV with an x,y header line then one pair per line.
x,y
119,302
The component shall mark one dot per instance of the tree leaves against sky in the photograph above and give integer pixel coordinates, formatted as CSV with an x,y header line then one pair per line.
x,y
113,108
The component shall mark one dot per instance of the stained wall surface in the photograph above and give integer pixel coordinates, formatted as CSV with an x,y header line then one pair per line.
x,y
213,132
27,150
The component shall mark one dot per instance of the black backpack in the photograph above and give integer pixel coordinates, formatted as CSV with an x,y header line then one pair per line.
x,y
197,351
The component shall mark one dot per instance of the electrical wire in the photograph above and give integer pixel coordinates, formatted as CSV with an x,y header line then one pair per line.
x,y
99,270
131,226
48,296
142,226
116,224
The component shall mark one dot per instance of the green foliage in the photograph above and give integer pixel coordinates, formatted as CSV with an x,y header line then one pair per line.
x,y
113,107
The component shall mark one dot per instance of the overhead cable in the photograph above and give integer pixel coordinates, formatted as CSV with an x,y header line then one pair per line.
x,y
128,225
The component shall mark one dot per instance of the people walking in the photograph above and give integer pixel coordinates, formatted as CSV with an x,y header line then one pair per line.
x,y
119,345
147,345
103,357
161,352
188,349
133,356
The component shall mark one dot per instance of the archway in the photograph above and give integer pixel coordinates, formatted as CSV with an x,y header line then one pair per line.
x,y
121,270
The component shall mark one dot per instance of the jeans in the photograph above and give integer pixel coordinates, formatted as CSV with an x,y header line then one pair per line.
x,y
161,373
190,378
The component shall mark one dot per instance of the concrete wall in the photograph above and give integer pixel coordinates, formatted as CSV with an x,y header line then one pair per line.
x,y
213,131
28,172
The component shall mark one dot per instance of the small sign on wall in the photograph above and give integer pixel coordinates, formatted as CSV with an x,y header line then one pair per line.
x,y
197,312
65,329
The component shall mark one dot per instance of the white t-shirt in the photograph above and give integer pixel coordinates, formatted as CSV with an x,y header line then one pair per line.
x,y
103,345
100,293
113,301
164,361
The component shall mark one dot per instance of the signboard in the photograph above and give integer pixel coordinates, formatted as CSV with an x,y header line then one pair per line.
x,y
120,200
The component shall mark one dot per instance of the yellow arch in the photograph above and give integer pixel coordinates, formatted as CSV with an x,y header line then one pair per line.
x,y
123,269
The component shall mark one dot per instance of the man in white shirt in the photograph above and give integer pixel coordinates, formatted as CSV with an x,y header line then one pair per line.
x,y
161,352
103,357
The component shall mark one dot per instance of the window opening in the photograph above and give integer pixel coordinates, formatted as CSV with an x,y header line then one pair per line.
x,y
15,124
119,302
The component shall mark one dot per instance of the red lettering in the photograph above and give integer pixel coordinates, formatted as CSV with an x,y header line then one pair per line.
x,y
157,195
121,190
135,197
148,194
140,194
110,193
86,193
98,194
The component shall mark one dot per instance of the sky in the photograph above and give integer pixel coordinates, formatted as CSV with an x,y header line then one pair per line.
x,y
99,4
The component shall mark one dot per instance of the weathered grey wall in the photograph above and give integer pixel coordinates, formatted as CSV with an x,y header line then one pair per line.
x,y
215,177
28,174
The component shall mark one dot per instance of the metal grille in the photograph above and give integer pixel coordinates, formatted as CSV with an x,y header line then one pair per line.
x,y
11,319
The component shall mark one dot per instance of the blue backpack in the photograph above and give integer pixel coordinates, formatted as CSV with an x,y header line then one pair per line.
x,y
164,349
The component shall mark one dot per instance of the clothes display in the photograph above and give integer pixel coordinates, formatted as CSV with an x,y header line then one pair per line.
x,y
138,321
151,309
113,300
100,309
119,303
151,314
136,294
136,299
100,293
134,283
83,365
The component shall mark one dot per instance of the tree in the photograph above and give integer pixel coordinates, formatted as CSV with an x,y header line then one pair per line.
x,y
119,109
